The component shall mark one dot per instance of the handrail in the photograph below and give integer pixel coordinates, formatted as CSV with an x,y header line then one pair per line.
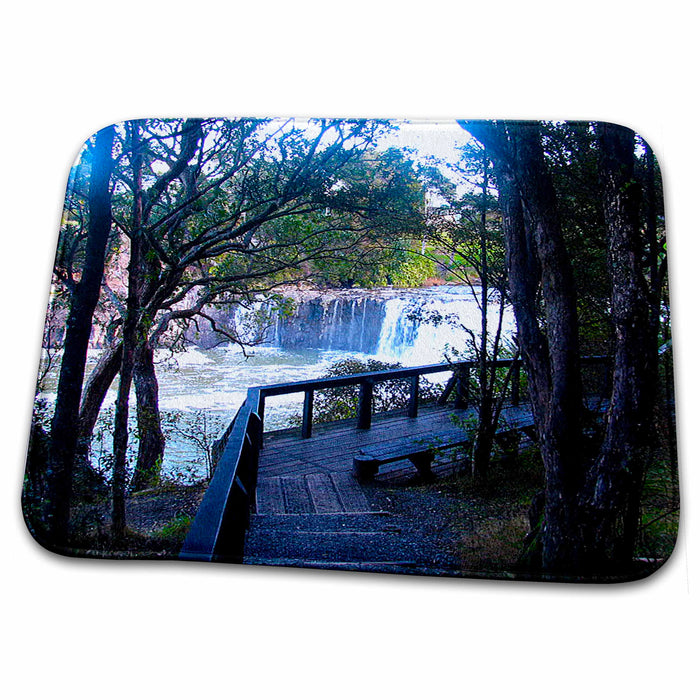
x,y
366,382
218,530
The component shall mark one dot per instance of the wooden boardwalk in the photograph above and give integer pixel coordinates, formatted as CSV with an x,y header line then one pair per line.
x,y
312,511
315,475
291,497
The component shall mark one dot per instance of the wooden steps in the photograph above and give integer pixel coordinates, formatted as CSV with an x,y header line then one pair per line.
x,y
315,492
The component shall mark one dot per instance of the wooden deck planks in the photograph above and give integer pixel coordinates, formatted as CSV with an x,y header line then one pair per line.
x,y
347,429
312,479
334,451
331,447
310,493
323,494
296,495
351,495
314,475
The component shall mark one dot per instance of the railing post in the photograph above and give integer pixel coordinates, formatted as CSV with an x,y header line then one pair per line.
x,y
307,414
413,399
260,410
255,432
462,389
364,409
515,384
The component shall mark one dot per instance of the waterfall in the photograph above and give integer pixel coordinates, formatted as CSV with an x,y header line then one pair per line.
x,y
423,328
398,330
362,324
411,327
346,322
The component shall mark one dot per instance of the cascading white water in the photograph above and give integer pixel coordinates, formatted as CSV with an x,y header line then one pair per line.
x,y
334,323
362,323
411,327
425,327
398,331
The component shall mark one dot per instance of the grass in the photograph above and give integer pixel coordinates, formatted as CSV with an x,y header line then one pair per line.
x,y
478,529
176,530
500,524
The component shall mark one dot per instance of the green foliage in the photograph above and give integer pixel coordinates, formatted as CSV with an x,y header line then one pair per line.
x,y
198,430
659,513
100,448
414,271
374,211
388,262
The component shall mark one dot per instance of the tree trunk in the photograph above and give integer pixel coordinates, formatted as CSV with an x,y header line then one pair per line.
x,y
614,486
96,389
591,509
560,429
537,261
120,442
64,425
151,438
94,393
131,325
483,441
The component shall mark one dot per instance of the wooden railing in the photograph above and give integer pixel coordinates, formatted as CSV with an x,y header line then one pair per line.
x,y
218,530
366,382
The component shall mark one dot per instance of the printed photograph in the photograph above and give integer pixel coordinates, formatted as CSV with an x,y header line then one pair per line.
x,y
400,347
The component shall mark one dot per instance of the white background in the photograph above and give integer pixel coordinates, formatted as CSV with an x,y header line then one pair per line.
x,y
79,629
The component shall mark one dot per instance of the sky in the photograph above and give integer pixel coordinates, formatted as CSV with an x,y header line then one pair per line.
x,y
430,138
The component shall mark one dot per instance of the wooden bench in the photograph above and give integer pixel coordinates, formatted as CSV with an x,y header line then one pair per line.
x,y
421,453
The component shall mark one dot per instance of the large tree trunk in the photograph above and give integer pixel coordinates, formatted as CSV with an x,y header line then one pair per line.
x,y
591,509
142,281
94,393
151,438
614,486
537,261
64,425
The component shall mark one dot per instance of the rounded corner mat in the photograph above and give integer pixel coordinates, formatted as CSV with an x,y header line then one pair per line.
x,y
413,347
